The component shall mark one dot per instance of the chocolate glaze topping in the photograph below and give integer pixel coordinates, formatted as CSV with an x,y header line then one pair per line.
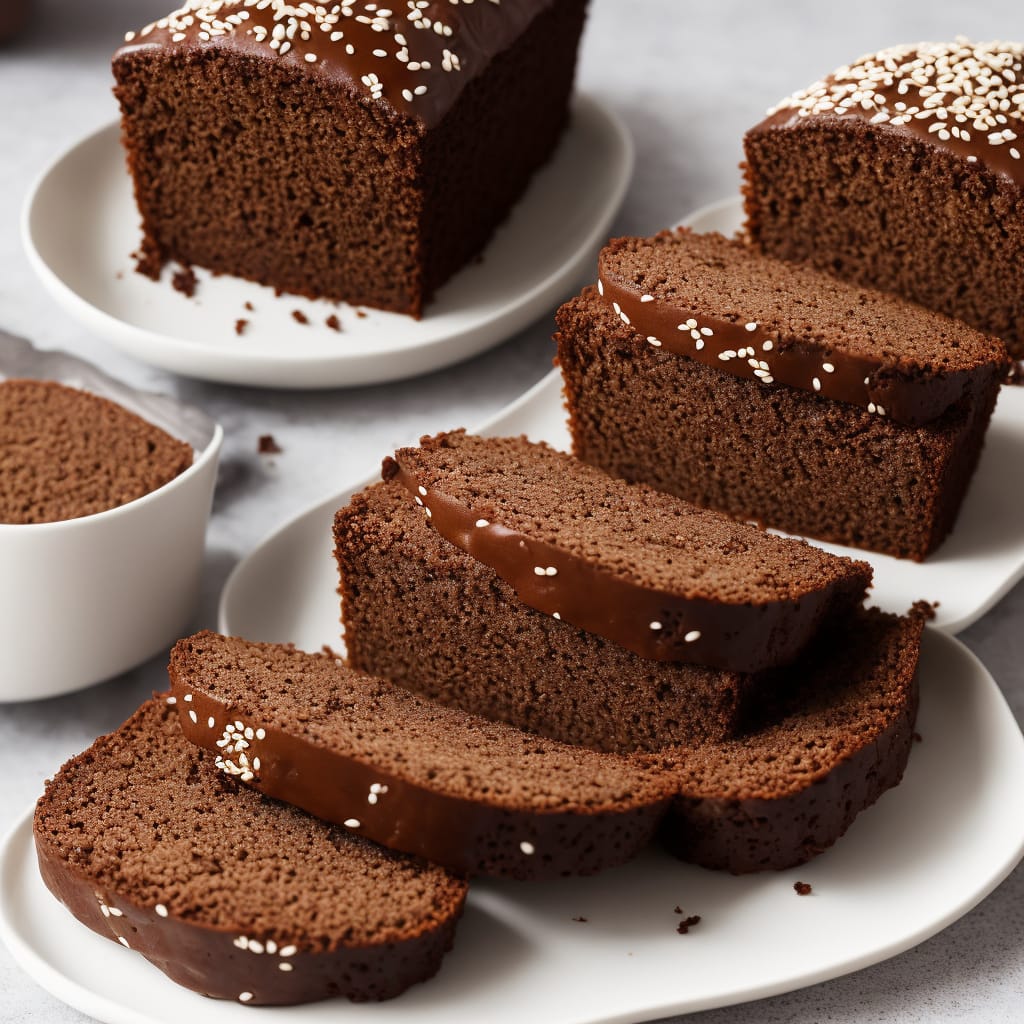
x,y
756,350
963,97
413,56
472,834
743,637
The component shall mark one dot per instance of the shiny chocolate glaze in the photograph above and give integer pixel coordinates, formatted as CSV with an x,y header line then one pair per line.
x,y
462,833
742,637
962,97
413,56
757,350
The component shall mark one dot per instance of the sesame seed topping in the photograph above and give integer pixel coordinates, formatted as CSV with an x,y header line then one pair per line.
x,y
123,941
187,697
161,910
482,523
692,636
768,345
349,823
285,967
528,848
193,716
828,367
752,326
655,625
288,951
646,298
557,615
422,490
211,722
816,383
245,997
652,340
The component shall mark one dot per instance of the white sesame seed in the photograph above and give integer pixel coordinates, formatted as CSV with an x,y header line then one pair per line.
x,y
551,571
768,345
245,997
255,946
422,490
311,58
655,625
816,383
528,848
161,910
646,298
752,326
652,340
692,636
261,734
288,951
538,570
828,367
172,700
285,967
600,287
123,941
557,615
482,523
187,697
871,406
193,715
211,722
349,823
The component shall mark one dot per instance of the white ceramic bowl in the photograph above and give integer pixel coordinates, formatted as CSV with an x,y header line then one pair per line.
x,y
86,599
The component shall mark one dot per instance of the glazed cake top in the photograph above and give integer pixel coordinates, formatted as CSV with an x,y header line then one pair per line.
x,y
414,55
963,97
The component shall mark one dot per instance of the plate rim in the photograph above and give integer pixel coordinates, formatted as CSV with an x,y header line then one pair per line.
x,y
518,310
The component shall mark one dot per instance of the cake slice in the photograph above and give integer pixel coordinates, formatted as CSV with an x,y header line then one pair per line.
x,y
818,750
903,170
231,894
353,151
476,796
777,393
646,571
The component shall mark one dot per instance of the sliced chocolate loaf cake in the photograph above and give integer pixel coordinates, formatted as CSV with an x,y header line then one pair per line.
x,y
903,170
340,150
231,894
773,392
819,750
66,453
656,575
478,797
420,610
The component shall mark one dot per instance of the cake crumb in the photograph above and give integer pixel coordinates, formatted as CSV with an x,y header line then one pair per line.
x,y
299,317
684,926
924,610
240,326
268,446
185,281
249,306
802,888
917,737
333,322
581,920
362,314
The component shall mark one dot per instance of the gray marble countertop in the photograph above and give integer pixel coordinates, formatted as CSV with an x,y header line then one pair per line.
x,y
688,79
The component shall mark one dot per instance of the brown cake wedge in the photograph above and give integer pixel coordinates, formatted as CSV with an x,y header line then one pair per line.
x,y
904,170
777,393
823,746
230,894
479,797
646,571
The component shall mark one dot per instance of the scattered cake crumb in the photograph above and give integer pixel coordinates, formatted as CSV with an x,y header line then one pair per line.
x,y
361,313
924,610
582,920
240,326
802,888
268,446
185,281
299,317
333,322
684,926
917,737
249,306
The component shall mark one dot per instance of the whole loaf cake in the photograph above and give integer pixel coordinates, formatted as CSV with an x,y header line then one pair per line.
x,y
903,170
230,894
344,150
777,393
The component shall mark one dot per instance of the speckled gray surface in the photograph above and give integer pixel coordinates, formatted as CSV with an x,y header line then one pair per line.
x,y
688,78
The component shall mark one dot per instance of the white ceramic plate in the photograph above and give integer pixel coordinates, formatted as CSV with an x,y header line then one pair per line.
x,y
909,866
80,226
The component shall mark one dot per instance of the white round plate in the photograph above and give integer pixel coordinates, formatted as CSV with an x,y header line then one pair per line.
x,y
926,853
80,227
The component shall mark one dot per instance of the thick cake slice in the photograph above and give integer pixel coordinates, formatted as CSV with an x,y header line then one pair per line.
x,y
227,892
478,797
819,751
904,170
837,452
646,571
354,151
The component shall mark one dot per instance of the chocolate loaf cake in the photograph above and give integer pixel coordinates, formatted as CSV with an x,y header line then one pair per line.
x,y
346,151
813,755
776,393
423,612
66,453
475,796
903,171
228,893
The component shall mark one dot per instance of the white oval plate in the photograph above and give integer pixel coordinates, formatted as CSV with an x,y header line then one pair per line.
x,y
926,853
80,227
